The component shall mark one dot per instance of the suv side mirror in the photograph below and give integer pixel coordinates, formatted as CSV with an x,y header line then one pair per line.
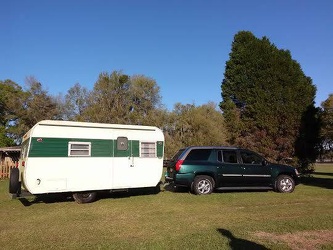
x,y
264,163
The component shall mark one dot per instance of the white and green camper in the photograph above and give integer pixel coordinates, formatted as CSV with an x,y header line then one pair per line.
x,y
82,158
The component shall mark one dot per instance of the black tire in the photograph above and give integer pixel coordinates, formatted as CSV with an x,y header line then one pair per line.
x,y
84,197
157,189
202,185
284,184
14,184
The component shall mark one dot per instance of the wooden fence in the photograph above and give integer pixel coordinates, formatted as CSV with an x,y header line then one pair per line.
x,y
5,169
9,157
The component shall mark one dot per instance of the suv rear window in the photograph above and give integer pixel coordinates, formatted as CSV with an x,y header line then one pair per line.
x,y
198,155
177,155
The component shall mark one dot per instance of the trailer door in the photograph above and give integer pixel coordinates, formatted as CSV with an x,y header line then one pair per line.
x,y
124,171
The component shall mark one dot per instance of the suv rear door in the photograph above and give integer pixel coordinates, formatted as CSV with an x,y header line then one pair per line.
x,y
170,172
229,170
200,160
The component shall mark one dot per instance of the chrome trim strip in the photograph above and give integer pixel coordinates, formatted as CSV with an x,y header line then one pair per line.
x,y
232,175
246,175
256,175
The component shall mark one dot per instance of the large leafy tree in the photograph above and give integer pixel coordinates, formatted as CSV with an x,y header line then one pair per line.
x,y
5,140
327,126
12,98
109,100
11,95
265,94
119,98
144,100
190,125
38,105
75,103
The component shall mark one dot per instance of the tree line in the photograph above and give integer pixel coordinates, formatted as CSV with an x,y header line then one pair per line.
x,y
115,98
267,105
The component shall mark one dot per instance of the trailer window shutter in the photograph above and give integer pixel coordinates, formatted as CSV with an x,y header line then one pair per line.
x,y
79,148
148,149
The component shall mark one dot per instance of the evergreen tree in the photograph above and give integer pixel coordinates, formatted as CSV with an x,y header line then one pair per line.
x,y
264,97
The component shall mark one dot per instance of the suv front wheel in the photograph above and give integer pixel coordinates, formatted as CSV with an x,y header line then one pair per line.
x,y
285,184
203,184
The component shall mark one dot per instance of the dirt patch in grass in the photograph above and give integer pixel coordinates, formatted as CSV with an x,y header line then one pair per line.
x,y
303,240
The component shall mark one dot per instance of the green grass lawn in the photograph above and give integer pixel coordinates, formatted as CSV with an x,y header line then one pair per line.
x,y
167,220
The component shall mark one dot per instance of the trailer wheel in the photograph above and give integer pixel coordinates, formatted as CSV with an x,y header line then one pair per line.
x,y
14,184
84,197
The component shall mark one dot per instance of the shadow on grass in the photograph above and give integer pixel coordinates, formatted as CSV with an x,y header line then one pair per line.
x,y
323,173
180,189
128,193
67,197
45,198
174,189
317,182
238,243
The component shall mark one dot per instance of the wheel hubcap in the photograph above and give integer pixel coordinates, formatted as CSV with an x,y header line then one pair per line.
x,y
204,187
286,184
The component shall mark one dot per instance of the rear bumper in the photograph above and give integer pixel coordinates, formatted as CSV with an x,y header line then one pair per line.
x,y
168,179
180,179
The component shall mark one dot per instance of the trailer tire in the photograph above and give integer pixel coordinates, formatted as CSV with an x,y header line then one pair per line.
x,y
84,197
14,184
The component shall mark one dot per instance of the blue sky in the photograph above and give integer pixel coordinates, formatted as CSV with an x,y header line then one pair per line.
x,y
183,45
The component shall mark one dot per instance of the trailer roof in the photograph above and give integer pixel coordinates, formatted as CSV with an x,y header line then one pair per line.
x,y
94,125
52,128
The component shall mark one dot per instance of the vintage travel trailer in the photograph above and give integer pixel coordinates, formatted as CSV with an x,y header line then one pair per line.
x,y
83,158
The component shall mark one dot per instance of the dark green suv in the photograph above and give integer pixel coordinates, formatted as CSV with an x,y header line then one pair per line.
x,y
204,169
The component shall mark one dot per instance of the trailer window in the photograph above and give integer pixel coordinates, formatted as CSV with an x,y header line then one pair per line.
x,y
79,148
148,149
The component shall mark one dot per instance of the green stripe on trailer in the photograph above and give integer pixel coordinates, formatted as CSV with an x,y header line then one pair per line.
x,y
48,147
58,147
135,148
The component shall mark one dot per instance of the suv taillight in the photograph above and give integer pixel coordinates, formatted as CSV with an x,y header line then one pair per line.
x,y
179,165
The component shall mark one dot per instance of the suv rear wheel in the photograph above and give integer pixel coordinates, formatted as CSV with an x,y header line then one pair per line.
x,y
203,184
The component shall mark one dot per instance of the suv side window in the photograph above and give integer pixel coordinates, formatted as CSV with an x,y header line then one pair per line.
x,y
198,155
249,157
227,156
